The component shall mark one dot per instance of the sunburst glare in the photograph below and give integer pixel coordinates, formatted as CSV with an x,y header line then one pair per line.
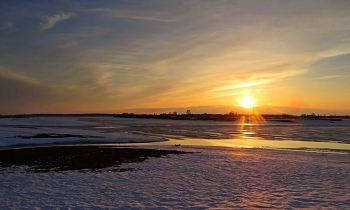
x,y
247,103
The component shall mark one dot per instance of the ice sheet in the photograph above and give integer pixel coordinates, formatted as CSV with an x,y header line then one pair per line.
x,y
18,131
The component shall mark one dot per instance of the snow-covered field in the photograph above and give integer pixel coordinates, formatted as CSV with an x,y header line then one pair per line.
x,y
214,177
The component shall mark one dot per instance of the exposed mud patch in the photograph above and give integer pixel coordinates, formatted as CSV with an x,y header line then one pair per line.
x,y
81,158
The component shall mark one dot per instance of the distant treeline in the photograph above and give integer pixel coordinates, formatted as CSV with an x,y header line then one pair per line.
x,y
226,117
188,116
55,115
175,116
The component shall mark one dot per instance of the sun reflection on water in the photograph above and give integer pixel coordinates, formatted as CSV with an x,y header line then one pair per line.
x,y
249,125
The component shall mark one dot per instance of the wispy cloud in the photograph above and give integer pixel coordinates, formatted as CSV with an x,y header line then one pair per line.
x,y
53,20
258,79
4,73
6,25
280,75
138,15
244,85
332,77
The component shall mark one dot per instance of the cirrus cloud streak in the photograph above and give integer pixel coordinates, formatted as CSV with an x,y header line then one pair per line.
x,y
53,20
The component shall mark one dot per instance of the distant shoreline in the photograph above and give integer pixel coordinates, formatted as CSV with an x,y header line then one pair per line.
x,y
205,116
232,117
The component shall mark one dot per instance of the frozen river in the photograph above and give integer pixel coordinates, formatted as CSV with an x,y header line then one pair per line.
x,y
294,134
321,135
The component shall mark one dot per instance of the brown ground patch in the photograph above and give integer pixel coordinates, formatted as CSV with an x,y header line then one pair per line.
x,y
66,158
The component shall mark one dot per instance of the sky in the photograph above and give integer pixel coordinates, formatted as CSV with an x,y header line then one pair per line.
x,y
108,56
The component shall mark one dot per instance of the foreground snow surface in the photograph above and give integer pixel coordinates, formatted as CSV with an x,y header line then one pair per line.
x,y
213,177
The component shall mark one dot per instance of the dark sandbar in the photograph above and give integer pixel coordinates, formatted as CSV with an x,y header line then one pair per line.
x,y
81,158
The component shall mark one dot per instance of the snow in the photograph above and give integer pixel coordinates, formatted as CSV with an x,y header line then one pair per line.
x,y
213,177
12,129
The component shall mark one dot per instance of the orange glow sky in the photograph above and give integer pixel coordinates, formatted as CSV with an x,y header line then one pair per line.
x,y
110,56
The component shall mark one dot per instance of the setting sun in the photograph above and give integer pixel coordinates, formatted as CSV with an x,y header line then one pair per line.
x,y
247,103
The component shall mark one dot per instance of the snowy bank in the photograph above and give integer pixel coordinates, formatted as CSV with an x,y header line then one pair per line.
x,y
213,177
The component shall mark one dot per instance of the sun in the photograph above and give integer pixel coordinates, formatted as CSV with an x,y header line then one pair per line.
x,y
247,103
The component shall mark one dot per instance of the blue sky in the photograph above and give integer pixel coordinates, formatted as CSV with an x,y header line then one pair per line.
x,y
94,56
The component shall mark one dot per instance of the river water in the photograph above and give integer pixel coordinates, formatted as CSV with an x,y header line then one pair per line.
x,y
323,135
